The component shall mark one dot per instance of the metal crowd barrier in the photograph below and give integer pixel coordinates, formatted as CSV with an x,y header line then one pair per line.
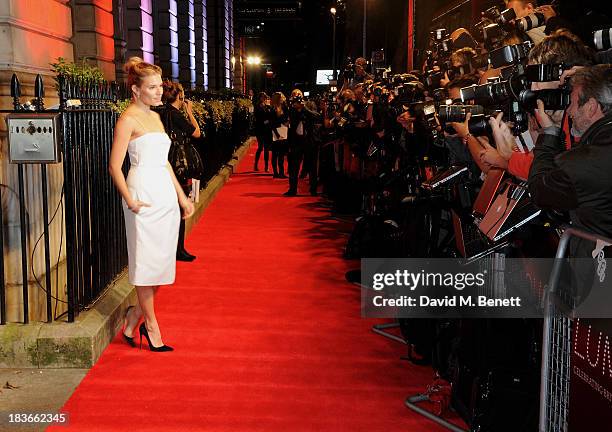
x,y
556,350
556,344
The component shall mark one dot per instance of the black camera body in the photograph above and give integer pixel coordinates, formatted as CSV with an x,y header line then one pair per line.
x,y
495,25
509,55
296,99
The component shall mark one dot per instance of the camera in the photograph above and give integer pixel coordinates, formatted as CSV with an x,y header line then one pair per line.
x,y
478,124
530,21
408,92
503,18
554,99
494,92
296,99
603,39
509,55
495,25
457,113
440,43
349,71
425,113
544,72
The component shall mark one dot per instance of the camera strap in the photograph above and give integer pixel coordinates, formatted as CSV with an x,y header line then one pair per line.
x,y
524,142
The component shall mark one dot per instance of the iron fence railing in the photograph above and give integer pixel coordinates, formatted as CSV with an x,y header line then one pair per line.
x,y
95,229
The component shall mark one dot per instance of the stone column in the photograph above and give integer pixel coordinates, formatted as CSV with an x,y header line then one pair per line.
x,y
93,34
220,40
140,29
186,48
201,44
166,27
120,36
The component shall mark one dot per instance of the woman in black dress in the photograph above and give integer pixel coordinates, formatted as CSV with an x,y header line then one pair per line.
x,y
263,131
280,119
175,122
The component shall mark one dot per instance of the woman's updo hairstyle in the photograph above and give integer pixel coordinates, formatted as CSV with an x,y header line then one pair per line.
x,y
137,69
172,91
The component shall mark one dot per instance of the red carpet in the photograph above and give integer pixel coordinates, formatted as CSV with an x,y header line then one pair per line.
x,y
268,334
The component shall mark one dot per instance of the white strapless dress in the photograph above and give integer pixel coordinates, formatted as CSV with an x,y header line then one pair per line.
x,y
151,234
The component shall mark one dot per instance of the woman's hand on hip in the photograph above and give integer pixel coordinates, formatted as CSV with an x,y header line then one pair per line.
x,y
135,206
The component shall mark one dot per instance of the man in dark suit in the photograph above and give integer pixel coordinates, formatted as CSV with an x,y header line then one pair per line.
x,y
300,140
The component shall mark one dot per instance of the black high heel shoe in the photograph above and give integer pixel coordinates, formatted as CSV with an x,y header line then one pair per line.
x,y
129,340
145,333
183,255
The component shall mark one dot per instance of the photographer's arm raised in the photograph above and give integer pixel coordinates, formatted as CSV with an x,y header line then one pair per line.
x,y
549,185
473,144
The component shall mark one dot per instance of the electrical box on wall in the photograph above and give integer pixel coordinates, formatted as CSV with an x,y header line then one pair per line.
x,y
34,137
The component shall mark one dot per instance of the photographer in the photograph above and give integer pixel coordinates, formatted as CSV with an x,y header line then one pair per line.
x,y
579,180
360,71
355,73
301,139
544,14
523,8
459,153
560,47
462,63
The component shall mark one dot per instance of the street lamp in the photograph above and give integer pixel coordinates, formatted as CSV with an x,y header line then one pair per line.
x,y
253,60
334,73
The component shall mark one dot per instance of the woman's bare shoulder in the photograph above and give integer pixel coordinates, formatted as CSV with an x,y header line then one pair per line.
x,y
128,114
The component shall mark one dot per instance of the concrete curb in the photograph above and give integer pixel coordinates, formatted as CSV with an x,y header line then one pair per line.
x,y
80,344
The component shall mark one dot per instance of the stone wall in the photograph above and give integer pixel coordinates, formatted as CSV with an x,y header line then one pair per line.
x,y
33,33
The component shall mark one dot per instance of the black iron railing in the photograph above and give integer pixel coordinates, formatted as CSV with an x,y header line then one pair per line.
x,y
95,229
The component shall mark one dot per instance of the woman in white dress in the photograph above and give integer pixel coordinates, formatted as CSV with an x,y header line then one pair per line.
x,y
151,199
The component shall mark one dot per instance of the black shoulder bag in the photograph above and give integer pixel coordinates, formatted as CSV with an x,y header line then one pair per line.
x,y
184,158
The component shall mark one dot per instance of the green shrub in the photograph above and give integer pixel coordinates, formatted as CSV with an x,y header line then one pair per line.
x,y
79,71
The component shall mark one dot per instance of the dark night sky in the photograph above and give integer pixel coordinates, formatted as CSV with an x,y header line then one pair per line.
x,y
307,43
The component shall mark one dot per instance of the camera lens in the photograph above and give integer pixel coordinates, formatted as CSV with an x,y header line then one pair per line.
x,y
479,125
506,16
553,99
530,21
457,113
603,39
468,93
543,72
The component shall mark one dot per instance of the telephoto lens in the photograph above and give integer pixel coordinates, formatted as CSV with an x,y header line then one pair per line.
x,y
489,93
530,21
544,72
479,125
603,39
457,113
553,99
